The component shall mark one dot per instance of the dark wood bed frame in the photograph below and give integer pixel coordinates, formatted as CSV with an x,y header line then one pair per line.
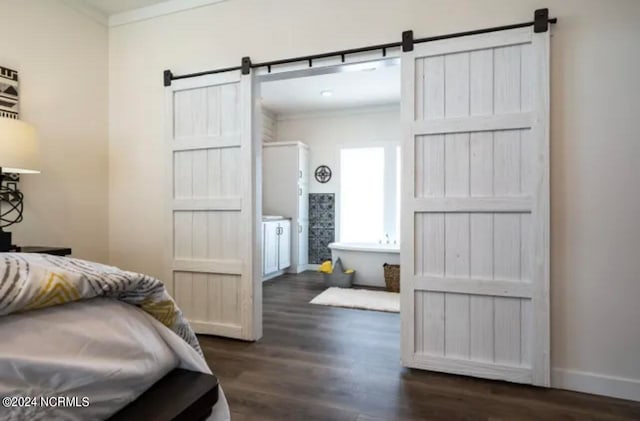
x,y
180,395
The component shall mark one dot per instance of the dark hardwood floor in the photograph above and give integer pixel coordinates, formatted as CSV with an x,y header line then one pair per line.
x,y
325,363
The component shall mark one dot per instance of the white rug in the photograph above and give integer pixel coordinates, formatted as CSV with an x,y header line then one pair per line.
x,y
359,298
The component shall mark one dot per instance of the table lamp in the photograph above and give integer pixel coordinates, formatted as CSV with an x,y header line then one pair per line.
x,y
19,153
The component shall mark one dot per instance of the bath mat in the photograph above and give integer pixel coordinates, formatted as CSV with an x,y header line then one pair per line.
x,y
365,299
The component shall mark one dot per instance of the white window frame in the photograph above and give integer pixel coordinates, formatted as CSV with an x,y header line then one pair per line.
x,y
391,209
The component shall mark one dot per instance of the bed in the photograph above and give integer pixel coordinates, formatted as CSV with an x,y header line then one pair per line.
x,y
97,352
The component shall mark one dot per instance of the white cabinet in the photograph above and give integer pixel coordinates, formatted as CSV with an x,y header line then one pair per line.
x,y
276,247
285,191
270,259
284,245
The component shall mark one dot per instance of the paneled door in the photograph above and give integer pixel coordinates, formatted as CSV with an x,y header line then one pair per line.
x,y
215,226
475,209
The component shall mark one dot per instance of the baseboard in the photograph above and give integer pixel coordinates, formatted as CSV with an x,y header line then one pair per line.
x,y
297,269
273,275
581,381
313,266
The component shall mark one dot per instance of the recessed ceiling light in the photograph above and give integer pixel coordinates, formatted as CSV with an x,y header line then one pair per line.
x,y
326,93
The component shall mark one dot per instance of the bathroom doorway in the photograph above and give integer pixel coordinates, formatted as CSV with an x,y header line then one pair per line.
x,y
331,181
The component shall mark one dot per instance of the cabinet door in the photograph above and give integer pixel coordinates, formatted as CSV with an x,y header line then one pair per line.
x,y
303,202
303,184
303,245
303,164
284,258
270,247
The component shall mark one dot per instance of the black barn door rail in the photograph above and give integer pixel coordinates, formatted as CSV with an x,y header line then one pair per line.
x,y
540,23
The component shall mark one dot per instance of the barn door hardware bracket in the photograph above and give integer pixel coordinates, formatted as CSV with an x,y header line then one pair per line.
x,y
246,65
168,76
407,41
541,20
540,24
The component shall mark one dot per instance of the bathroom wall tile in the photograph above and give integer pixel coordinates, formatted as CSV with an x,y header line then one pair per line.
x,y
321,226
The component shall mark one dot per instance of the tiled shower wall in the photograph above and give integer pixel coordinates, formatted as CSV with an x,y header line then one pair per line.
x,y
322,226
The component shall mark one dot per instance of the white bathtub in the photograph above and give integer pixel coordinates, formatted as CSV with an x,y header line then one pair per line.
x,y
366,259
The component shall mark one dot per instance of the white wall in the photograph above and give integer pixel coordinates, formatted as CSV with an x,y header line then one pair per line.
x,y
269,126
326,132
594,140
61,57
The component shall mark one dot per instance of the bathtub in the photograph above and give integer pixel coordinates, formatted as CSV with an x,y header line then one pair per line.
x,y
366,259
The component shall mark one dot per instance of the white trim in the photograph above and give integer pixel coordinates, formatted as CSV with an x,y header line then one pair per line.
x,y
253,118
389,225
218,329
473,204
407,216
598,384
366,247
313,267
473,286
474,124
168,186
332,64
288,143
251,214
149,12
541,215
229,267
206,142
472,368
340,112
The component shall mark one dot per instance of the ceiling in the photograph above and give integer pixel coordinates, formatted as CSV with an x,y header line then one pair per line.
x,y
111,7
368,84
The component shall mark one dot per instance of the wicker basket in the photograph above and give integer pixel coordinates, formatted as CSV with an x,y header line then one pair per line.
x,y
392,277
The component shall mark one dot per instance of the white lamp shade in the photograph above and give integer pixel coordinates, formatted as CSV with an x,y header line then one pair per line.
x,y
19,149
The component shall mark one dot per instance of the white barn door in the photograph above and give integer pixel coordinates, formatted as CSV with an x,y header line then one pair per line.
x,y
475,213
214,207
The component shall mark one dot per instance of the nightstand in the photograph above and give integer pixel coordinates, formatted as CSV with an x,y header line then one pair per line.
x,y
56,251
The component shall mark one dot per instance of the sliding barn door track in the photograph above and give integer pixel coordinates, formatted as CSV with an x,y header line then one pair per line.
x,y
540,23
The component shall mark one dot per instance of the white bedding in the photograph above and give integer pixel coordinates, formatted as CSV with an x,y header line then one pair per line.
x,y
101,349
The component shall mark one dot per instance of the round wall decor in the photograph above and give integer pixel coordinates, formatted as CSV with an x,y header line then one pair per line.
x,y
323,174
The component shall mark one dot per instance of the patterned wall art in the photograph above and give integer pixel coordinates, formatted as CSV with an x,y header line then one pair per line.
x,y
9,106
322,226
322,174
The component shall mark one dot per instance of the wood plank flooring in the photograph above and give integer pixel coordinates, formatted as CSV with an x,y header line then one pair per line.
x,y
325,363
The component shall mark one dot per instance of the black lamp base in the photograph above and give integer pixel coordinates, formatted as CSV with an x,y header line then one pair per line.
x,y
5,241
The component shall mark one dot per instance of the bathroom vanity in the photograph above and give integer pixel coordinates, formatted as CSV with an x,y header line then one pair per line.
x,y
285,191
276,246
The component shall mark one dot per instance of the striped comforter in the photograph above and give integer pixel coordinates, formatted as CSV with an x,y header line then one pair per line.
x,y
32,281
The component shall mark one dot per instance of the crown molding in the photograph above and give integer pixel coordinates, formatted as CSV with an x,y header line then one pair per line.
x,y
160,9
88,10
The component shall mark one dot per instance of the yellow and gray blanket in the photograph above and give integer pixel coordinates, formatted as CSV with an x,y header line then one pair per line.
x,y
32,281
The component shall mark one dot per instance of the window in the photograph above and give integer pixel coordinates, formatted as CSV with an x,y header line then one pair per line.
x,y
370,194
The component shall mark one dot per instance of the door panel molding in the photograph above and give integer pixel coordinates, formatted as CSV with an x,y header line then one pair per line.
x,y
213,256
475,206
